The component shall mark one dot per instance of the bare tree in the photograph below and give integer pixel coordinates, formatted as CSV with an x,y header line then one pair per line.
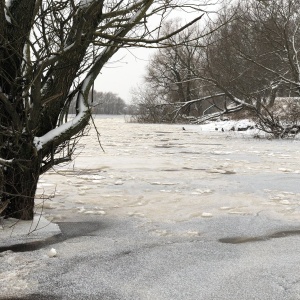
x,y
50,54
169,75
150,107
251,60
169,69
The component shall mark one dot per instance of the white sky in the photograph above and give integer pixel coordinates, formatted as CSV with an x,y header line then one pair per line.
x,y
124,72
127,68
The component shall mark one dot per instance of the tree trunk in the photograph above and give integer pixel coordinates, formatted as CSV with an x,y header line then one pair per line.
x,y
186,110
19,187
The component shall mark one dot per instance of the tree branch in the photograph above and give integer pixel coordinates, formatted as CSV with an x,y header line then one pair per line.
x,y
147,41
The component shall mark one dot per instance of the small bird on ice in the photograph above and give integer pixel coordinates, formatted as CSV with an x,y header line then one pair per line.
x,y
183,128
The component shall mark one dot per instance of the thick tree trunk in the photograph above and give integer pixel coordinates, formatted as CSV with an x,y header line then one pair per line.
x,y
19,187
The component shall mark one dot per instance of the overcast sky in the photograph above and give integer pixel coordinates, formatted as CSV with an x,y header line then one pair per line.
x,y
127,68
124,72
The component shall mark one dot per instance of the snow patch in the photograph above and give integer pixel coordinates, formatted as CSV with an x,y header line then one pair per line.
x,y
52,252
206,215
119,182
7,4
91,177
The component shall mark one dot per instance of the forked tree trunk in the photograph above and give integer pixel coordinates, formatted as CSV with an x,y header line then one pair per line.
x,y
19,186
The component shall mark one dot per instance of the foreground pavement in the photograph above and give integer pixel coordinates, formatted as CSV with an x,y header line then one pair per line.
x,y
228,257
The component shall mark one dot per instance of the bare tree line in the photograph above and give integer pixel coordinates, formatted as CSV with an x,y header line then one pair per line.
x,y
246,60
104,103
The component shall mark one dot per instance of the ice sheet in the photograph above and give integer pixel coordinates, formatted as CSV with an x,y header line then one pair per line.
x,y
164,173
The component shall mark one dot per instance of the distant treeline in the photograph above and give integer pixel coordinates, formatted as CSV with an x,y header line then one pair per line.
x,y
107,103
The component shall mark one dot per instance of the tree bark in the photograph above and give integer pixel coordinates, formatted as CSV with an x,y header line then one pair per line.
x,y
19,186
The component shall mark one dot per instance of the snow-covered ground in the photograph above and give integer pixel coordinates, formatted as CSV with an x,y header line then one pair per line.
x,y
175,182
247,126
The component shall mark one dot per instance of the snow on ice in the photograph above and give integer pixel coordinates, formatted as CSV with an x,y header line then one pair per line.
x,y
167,173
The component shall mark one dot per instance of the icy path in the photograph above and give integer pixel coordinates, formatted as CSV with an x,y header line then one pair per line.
x,y
167,214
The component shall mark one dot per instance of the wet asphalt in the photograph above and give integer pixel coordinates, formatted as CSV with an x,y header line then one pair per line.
x,y
226,257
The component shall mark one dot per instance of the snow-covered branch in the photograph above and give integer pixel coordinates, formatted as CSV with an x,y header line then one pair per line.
x,y
6,161
218,114
183,105
68,129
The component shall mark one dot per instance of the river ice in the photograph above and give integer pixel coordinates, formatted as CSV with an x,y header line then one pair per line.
x,y
197,184
163,173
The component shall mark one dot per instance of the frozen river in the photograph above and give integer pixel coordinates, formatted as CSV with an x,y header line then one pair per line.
x,y
166,214
164,173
